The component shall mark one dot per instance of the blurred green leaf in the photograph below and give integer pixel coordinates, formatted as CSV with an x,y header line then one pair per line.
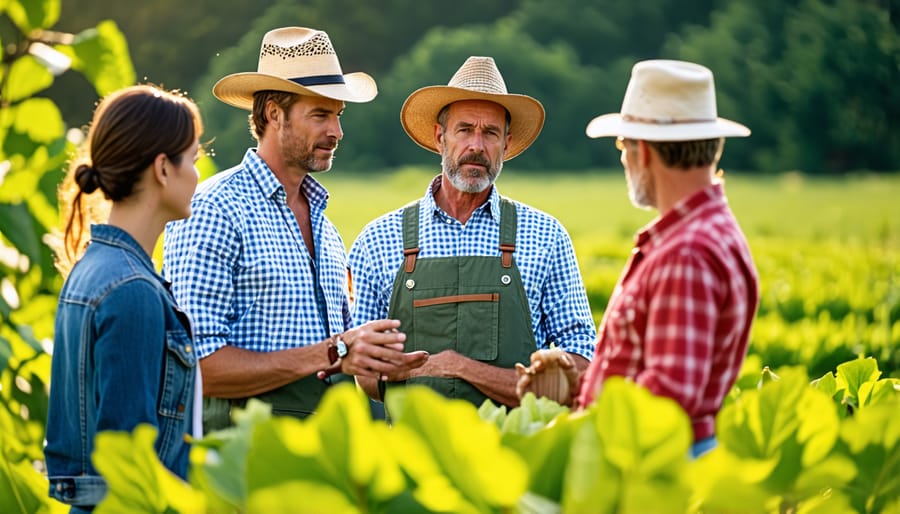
x,y
26,77
633,464
430,487
826,383
546,453
722,480
855,373
137,481
467,449
29,15
879,391
337,447
492,413
17,225
355,450
872,440
297,496
590,484
39,119
531,415
22,489
5,349
220,458
101,54
759,424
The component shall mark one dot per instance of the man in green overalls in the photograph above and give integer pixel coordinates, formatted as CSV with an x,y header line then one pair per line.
x,y
477,280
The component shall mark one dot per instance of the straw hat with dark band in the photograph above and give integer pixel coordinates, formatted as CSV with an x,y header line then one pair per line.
x,y
667,101
296,60
477,79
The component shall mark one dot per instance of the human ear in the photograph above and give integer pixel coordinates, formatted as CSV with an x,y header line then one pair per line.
x,y
439,137
273,112
160,170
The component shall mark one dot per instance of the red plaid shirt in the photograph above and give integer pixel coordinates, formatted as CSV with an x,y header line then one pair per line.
x,y
679,318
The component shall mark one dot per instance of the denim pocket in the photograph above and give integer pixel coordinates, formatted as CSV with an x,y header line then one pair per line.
x,y
178,375
176,398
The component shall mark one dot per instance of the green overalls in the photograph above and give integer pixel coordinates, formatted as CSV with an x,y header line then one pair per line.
x,y
475,305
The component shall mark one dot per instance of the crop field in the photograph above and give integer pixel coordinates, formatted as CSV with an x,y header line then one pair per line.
x,y
827,250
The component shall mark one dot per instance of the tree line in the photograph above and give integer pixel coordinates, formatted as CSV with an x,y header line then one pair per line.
x,y
815,80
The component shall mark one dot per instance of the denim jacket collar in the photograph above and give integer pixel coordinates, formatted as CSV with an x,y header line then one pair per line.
x,y
115,236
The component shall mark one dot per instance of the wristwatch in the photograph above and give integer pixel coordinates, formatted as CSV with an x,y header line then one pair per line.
x,y
337,349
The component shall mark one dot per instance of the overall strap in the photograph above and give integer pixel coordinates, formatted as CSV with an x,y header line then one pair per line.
x,y
410,236
507,231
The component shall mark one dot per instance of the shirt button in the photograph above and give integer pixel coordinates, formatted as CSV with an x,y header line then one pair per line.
x,y
448,221
410,284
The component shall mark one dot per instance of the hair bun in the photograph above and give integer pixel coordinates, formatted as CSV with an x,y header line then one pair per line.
x,y
87,177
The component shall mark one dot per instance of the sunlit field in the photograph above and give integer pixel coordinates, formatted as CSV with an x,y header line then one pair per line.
x,y
828,250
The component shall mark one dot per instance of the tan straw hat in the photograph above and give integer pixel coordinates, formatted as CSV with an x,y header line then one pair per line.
x,y
477,79
667,101
296,60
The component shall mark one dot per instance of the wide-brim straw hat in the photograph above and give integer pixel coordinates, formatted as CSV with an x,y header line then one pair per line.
x,y
667,101
296,60
477,79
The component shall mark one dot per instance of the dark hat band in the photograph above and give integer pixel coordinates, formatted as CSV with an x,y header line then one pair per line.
x,y
318,80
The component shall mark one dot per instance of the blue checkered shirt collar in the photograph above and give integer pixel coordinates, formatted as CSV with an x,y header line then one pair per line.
x,y
491,206
271,186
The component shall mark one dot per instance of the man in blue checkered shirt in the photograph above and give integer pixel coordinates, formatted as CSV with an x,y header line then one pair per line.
x,y
477,280
258,266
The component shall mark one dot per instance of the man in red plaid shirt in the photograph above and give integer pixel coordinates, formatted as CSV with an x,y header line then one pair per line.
x,y
679,318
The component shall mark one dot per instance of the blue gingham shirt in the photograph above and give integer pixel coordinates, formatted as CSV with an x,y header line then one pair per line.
x,y
544,254
239,266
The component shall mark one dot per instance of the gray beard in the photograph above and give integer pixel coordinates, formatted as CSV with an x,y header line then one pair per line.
x,y
456,177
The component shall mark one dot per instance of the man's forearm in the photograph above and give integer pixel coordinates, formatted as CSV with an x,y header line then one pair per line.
x,y
231,372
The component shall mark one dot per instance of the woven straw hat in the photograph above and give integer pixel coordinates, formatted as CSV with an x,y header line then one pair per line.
x,y
296,60
667,101
477,79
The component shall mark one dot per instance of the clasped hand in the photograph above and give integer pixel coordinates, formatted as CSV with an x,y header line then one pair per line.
x,y
375,350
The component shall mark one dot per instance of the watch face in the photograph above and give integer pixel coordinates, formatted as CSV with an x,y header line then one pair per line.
x,y
341,348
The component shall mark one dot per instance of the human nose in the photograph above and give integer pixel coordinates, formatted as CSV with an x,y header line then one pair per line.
x,y
335,130
476,142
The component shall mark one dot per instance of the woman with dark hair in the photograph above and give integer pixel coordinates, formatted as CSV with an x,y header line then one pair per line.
x,y
123,352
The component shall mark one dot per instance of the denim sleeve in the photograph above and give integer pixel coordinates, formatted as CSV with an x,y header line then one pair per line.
x,y
566,314
128,355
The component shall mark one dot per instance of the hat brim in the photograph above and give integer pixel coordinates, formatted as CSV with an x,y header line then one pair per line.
x,y
613,125
420,110
237,89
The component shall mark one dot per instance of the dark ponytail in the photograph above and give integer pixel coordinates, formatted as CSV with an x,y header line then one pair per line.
x,y
129,129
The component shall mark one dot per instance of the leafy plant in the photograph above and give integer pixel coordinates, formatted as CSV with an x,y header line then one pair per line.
x,y
32,155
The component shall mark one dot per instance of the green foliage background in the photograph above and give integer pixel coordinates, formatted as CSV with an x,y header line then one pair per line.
x,y
828,251
814,79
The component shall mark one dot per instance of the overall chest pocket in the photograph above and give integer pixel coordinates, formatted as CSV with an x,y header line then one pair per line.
x,y
178,375
460,320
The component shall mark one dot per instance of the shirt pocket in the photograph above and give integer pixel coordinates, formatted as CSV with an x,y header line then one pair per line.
x,y
178,375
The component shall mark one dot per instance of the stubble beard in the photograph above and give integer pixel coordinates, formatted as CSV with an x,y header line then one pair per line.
x,y
298,154
639,189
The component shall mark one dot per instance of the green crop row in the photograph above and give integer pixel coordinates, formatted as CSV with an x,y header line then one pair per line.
x,y
786,444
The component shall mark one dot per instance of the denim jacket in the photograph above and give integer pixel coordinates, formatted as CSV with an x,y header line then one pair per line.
x,y
122,355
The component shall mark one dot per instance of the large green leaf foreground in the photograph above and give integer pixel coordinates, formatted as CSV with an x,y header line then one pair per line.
x,y
785,445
